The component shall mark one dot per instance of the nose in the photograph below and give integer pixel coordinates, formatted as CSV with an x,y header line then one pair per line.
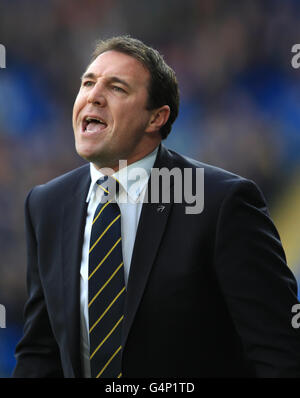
x,y
96,95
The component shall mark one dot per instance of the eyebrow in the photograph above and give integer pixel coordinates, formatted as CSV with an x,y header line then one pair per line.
x,y
111,79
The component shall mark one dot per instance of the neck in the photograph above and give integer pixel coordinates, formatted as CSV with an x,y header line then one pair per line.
x,y
109,168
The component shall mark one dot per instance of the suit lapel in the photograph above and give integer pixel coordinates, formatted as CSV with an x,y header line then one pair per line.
x,y
150,231
74,215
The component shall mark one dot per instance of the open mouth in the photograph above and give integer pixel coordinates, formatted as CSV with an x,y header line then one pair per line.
x,y
93,124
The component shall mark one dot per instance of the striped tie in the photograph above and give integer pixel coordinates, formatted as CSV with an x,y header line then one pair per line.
x,y
106,288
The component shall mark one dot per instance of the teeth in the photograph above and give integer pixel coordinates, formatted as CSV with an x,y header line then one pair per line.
x,y
91,119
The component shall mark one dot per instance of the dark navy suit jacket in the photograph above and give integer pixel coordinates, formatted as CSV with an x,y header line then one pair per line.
x,y
209,294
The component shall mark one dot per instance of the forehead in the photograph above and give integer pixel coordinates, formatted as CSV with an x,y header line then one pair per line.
x,y
117,64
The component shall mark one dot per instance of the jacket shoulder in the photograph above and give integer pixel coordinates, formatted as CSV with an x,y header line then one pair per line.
x,y
66,184
218,182
211,172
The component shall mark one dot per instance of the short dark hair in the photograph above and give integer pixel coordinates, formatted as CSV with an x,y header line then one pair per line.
x,y
163,87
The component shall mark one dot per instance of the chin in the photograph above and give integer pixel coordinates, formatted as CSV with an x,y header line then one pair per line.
x,y
86,153
92,157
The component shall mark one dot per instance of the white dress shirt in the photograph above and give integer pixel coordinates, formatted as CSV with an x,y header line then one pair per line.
x,y
130,201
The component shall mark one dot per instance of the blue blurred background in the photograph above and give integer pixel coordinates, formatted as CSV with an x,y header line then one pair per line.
x,y
240,104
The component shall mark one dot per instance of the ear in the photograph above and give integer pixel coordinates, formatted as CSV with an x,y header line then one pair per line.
x,y
159,117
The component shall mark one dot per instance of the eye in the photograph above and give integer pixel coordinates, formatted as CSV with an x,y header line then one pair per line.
x,y
87,83
118,89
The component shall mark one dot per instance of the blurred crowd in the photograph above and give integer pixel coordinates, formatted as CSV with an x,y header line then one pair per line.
x,y
240,102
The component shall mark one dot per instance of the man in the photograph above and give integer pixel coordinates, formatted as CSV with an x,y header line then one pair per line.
x,y
192,295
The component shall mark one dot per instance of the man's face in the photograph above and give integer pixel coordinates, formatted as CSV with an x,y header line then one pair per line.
x,y
110,119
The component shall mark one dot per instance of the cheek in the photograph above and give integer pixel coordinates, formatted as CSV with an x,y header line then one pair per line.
x,y
78,105
131,115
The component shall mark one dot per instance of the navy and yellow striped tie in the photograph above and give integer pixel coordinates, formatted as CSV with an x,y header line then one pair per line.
x,y
106,288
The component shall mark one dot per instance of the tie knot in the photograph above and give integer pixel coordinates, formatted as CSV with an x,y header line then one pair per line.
x,y
109,185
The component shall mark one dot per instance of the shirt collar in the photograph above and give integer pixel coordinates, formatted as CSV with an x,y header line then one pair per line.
x,y
127,176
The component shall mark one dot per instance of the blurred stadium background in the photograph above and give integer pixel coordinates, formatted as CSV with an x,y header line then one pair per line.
x,y
240,104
